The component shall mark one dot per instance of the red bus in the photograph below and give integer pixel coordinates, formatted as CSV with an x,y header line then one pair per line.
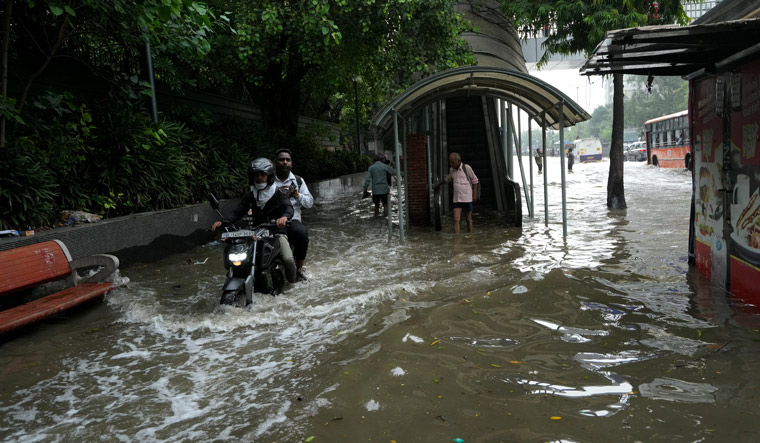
x,y
668,144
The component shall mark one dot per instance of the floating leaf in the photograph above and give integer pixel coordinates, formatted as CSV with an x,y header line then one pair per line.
x,y
556,418
431,344
495,365
310,439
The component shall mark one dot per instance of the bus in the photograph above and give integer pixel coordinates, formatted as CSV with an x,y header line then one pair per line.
x,y
667,138
589,149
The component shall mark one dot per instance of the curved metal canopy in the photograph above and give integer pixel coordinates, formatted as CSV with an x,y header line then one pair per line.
x,y
532,95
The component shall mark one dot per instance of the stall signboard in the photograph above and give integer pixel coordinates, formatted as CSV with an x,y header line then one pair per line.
x,y
725,117
744,185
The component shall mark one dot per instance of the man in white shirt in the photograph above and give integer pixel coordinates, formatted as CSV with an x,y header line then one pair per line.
x,y
294,187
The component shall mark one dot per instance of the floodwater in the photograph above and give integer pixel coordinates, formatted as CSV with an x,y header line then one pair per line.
x,y
507,334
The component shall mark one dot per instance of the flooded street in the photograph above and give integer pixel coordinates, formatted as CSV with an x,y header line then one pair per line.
x,y
506,334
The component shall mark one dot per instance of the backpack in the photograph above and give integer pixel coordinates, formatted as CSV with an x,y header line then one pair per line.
x,y
480,188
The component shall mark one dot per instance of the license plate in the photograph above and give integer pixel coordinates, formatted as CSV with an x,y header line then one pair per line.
x,y
238,234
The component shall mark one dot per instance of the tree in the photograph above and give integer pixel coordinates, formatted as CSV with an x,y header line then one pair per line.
x,y
291,52
579,26
35,33
666,96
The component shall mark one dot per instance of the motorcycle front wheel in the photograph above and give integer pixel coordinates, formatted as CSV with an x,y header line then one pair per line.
x,y
236,298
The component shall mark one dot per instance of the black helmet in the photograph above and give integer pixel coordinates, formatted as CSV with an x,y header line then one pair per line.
x,y
261,164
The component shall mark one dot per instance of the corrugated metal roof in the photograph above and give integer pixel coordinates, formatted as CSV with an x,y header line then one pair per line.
x,y
531,94
674,50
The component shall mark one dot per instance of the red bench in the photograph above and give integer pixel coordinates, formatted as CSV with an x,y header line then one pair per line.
x,y
30,267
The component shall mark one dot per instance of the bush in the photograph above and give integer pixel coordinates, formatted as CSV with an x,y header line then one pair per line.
x,y
111,158
27,191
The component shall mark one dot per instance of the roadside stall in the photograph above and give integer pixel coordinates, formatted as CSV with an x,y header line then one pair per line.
x,y
724,114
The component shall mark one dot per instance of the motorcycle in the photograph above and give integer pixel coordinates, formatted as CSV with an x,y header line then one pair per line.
x,y
257,259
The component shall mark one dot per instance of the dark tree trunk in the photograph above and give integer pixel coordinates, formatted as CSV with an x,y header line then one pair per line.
x,y
279,107
281,97
6,44
615,189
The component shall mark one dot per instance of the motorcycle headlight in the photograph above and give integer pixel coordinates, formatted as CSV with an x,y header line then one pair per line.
x,y
237,257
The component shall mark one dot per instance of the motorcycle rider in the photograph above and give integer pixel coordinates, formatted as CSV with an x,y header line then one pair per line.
x,y
263,200
295,188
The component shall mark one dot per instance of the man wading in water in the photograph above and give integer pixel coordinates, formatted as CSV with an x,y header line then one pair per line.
x,y
465,189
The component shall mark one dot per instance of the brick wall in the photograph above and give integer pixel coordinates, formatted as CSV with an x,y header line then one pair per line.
x,y
417,182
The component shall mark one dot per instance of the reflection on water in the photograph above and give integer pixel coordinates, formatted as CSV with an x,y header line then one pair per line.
x,y
503,335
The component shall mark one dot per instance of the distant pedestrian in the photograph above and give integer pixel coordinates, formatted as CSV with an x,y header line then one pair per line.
x,y
570,159
539,159
465,189
377,179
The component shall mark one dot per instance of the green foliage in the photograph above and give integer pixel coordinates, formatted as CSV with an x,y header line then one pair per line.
x,y
303,56
8,110
101,33
58,134
578,26
102,153
669,95
27,191
143,161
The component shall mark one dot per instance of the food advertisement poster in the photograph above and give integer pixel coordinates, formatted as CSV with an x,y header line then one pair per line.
x,y
744,196
711,250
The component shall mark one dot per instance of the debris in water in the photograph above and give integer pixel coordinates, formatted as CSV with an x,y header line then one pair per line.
x,y
431,344
201,262
310,439
519,289
556,417
459,440
411,337
372,405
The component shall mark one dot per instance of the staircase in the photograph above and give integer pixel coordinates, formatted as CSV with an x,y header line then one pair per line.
x,y
466,134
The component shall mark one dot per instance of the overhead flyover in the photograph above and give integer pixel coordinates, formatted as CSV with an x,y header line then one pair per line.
x,y
432,117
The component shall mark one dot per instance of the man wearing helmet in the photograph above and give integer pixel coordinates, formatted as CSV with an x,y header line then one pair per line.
x,y
263,200
295,188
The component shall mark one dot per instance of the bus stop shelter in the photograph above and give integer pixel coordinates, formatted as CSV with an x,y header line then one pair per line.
x,y
425,124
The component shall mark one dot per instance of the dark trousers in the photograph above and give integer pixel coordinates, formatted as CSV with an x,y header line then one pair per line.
x,y
299,238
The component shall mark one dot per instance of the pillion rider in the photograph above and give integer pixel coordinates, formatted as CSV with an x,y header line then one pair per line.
x,y
295,188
